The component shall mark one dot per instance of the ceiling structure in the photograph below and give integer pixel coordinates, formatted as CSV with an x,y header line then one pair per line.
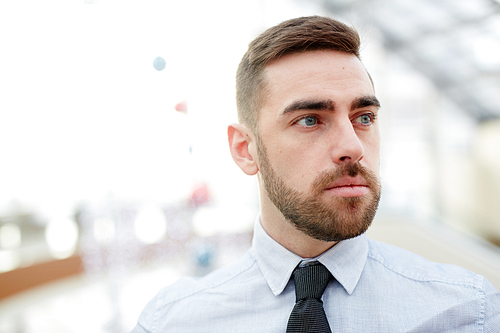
x,y
455,43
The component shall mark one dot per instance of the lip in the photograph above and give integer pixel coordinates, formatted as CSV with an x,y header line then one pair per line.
x,y
349,187
348,181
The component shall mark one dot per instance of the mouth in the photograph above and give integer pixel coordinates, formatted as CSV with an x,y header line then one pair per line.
x,y
348,187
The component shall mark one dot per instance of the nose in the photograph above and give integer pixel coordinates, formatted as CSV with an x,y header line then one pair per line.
x,y
345,143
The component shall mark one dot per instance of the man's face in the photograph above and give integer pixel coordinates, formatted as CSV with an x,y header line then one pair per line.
x,y
318,143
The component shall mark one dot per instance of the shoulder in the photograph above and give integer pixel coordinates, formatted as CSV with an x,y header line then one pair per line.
x,y
462,294
409,265
181,297
220,278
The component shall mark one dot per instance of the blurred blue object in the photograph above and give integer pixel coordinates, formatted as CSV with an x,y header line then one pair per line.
x,y
159,63
204,256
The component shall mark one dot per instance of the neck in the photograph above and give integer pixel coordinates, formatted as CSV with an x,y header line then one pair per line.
x,y
282,231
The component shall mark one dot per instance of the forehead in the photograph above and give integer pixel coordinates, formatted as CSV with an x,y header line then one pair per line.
x,y
332,75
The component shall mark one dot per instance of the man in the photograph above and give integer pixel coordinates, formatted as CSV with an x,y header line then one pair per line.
x,y
308,129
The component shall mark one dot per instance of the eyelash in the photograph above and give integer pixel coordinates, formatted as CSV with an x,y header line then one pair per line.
x,y
372,116
308,116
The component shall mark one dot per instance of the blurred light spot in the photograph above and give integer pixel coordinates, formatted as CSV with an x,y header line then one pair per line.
x,y
9,260
104,230
487,143
10,236
205,221
150,225
208,221
62,237
159,63
487,51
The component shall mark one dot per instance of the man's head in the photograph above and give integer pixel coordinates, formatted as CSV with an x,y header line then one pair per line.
x,y
310,129
295,35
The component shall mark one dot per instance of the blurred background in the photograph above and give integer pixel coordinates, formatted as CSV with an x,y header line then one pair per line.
x,y
115,174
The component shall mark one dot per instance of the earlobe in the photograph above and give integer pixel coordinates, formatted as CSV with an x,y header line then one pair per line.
x,y
241,141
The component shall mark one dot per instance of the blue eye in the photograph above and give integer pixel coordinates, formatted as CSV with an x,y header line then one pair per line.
x,y
365,119
308,121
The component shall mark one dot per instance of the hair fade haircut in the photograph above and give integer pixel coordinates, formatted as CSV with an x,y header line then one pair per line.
x,y
296,35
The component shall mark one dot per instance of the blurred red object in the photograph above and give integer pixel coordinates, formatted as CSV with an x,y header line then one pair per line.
x,y
200,194
181,106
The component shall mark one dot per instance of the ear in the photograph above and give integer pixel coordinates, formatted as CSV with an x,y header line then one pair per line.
x,y
242,147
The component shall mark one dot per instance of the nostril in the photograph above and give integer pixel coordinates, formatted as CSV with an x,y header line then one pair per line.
x,y
348,158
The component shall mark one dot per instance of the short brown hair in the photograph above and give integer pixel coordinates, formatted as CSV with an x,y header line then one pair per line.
x,y
295,35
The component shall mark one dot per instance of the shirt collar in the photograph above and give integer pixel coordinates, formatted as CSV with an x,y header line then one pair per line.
x,y
345,260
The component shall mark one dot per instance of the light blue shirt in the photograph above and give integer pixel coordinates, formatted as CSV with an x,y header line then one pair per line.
x,y
377,288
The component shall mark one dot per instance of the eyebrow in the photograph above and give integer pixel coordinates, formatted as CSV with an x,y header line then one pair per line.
x,y
365,101
319,105
329,105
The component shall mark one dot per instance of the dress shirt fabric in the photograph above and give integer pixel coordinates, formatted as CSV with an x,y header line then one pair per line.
x,y
377,288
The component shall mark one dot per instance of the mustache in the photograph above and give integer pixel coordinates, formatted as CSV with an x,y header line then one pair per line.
x,y
352,169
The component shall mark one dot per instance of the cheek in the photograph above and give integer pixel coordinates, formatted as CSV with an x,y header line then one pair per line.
x,y
372,156
291,161
299,168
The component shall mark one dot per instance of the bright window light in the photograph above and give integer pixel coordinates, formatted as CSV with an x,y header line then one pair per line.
x,y
150,225
10,236
9,260
62,237
487,51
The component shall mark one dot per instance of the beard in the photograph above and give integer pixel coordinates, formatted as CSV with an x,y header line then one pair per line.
x,y
338,219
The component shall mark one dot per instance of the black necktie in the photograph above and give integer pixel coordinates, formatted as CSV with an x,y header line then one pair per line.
x,y
308,315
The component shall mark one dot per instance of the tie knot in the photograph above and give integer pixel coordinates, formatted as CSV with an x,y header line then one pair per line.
x,y
311,281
